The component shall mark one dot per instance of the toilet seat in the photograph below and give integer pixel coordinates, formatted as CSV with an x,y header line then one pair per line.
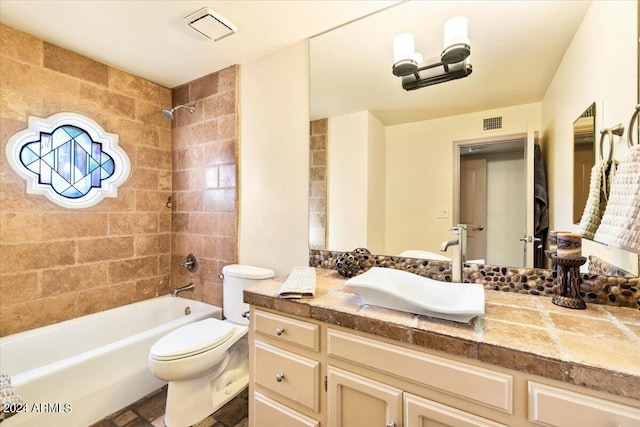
x,y
192,339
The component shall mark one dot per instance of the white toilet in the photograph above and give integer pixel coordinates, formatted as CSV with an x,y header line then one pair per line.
x,y
206,363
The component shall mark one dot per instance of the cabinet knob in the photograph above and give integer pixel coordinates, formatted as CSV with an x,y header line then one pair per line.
x,y
391,424
279,331
279,377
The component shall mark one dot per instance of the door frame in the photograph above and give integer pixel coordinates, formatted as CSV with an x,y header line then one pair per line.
x,y
458,145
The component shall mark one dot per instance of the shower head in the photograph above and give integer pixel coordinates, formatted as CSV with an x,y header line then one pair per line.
x,y
169,113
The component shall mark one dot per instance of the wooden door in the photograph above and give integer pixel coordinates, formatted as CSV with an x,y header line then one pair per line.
x,y
356,401
473,204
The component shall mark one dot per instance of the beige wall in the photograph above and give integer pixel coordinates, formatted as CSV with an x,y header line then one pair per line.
x,y
58,263
347,182
204,182
376,184
420,172
274,160
600,65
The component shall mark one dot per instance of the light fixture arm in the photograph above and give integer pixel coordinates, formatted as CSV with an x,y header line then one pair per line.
x,y
453,59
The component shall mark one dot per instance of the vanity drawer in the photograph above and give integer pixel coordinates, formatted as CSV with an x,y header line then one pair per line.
x,y
489,388
304,334
553,406
271,413
291,376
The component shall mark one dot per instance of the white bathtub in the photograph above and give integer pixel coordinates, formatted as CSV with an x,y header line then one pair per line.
x,y
84,369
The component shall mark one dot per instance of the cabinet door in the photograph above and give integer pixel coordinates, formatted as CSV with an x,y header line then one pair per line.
x,y
421,412
355,401
269,413
555,407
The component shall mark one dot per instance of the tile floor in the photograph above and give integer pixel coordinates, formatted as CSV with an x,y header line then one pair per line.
x,y
149,412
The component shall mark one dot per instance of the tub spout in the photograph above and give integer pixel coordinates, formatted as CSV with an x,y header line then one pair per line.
x,y
189,287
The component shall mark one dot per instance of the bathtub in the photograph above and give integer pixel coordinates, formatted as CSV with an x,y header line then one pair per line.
x,y
76,372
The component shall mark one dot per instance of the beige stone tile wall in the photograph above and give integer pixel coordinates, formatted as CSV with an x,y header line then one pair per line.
x,y
58,263
204,182
318,184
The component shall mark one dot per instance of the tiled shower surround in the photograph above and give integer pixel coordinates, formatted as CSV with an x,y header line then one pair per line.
x,y
618,291
204,219
57,263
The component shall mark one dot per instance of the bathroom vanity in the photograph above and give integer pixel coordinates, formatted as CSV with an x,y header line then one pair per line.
x,y
329,361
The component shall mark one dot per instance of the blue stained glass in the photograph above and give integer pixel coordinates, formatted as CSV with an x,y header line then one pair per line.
x,y
108,166
80,163
45,173
68,160
73,131
27,156
64,161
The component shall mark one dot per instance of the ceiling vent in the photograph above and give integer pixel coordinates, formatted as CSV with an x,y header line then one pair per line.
x,y
492,123
208,23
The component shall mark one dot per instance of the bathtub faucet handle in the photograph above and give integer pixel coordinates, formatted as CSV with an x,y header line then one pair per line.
x,y
191,263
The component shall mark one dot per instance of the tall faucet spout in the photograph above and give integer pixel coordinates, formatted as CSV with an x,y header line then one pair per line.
x,y
188,287
445,245
459,251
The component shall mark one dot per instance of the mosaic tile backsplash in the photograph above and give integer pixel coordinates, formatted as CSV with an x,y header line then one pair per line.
x,y
597,289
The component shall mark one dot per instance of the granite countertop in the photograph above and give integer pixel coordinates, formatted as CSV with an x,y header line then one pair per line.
x,y
598,348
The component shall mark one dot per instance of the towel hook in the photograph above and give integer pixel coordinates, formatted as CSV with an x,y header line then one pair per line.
x,y
634,117
616,130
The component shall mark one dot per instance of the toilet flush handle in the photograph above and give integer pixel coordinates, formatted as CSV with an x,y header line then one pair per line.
x,y
246,315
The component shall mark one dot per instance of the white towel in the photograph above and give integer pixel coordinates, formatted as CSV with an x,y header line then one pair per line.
x,y
596,203
620,225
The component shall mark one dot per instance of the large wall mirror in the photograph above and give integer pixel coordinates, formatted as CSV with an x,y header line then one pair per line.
x,y
389,153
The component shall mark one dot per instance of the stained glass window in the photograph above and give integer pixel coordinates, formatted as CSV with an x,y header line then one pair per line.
x,y
69,158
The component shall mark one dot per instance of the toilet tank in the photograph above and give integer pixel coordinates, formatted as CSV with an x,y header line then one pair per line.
x,y
237,278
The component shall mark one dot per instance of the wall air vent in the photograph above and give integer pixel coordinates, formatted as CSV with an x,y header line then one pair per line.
x,y
492,123
208,23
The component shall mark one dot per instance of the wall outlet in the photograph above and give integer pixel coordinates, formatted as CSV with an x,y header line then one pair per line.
x,y
443,213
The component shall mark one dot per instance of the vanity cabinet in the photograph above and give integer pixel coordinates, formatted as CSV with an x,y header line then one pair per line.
x,y
285,371
308,373
356,401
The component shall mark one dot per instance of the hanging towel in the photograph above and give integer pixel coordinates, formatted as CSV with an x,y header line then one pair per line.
x,y
620,225
596,200
11,402
540,205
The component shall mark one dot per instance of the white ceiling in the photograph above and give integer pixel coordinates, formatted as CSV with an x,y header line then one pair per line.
x,y
516,45
150,39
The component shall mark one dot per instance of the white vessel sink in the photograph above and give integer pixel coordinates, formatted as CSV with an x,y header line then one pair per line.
x,y
403,291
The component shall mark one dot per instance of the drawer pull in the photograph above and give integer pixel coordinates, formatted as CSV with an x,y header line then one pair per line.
x,y
279,377
279,331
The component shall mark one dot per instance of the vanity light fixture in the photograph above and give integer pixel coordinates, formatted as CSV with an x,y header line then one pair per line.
x,y
452,64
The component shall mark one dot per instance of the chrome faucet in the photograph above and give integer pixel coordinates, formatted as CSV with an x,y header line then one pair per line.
x,y
176,291
459,251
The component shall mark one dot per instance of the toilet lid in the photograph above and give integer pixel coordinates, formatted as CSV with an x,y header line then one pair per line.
x,y
192,339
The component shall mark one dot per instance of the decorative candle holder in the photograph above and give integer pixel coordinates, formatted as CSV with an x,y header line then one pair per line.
x,y
569,277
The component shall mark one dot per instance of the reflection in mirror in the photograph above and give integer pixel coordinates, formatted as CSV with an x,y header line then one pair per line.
x,y
584,134
352,87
